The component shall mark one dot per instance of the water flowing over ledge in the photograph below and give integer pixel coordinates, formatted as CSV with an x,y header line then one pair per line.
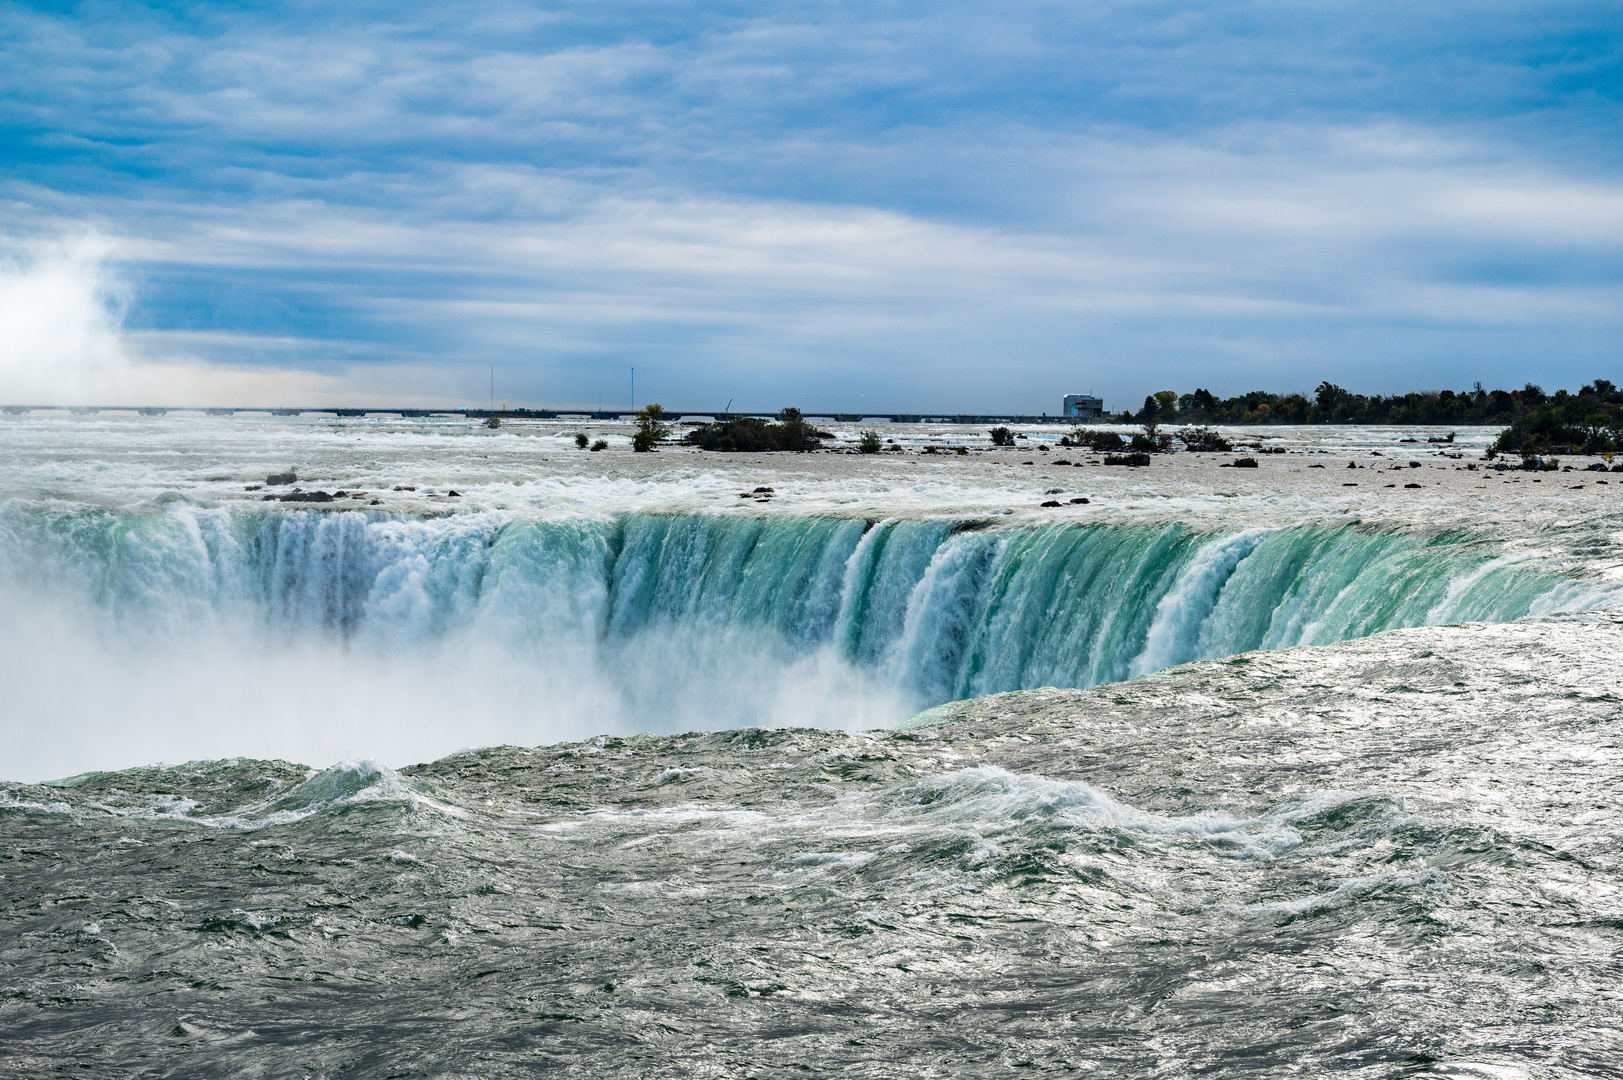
x,y
936,610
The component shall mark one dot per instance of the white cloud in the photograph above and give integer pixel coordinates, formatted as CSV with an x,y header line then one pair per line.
x,y
1256,251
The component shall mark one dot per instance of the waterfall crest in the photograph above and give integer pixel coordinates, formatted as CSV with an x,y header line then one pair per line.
x,y
937,609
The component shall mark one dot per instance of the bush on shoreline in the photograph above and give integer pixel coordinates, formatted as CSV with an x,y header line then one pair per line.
x,y
651,428
1093,440
1203,440
751,434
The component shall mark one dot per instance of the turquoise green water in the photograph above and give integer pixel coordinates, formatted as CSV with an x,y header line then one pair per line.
x,y
938,609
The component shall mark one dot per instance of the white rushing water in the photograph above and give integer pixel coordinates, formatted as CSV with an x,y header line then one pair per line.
x,y
156,608
1179,771
1390,856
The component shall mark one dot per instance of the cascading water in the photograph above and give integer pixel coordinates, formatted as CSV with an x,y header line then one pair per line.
x,y
1311,858
1041,862
934,609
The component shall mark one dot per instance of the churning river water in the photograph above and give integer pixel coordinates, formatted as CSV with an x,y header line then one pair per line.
x,y
887,770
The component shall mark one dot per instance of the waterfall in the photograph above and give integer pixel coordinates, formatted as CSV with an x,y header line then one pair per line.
x,y
937,609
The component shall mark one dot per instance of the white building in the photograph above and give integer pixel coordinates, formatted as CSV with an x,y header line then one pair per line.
x,y
1083,407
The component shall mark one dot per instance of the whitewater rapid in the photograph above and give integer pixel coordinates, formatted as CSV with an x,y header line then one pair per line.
x,y
1394,856
513,758
156,608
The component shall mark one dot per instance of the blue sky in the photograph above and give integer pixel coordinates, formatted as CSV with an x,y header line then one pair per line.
x,y
890,205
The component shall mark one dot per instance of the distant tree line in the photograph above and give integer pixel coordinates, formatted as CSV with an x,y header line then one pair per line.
x,y
1589,421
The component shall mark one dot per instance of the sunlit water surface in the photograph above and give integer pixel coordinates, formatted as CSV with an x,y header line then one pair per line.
x,y
1390,856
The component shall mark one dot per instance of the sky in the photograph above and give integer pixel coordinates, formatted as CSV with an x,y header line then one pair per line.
x,y
891,205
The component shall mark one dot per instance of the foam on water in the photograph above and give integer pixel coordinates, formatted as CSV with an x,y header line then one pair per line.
x,y
347,784
335,789
566,625
994,799
1388,856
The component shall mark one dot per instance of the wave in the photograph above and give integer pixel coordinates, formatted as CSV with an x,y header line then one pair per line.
x,y
233,794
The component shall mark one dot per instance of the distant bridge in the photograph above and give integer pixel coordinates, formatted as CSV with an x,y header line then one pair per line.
x,y
673,415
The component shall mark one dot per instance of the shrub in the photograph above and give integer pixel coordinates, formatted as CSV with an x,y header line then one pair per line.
x,y
582,441
601,444
751,434
1001,436
1203,440
651,428
869,443
1096,440
1127,459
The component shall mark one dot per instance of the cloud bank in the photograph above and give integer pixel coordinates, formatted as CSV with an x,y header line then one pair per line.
x,y
926,207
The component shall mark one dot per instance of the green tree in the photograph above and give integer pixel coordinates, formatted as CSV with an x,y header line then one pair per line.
x,y
651,428
1328,396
